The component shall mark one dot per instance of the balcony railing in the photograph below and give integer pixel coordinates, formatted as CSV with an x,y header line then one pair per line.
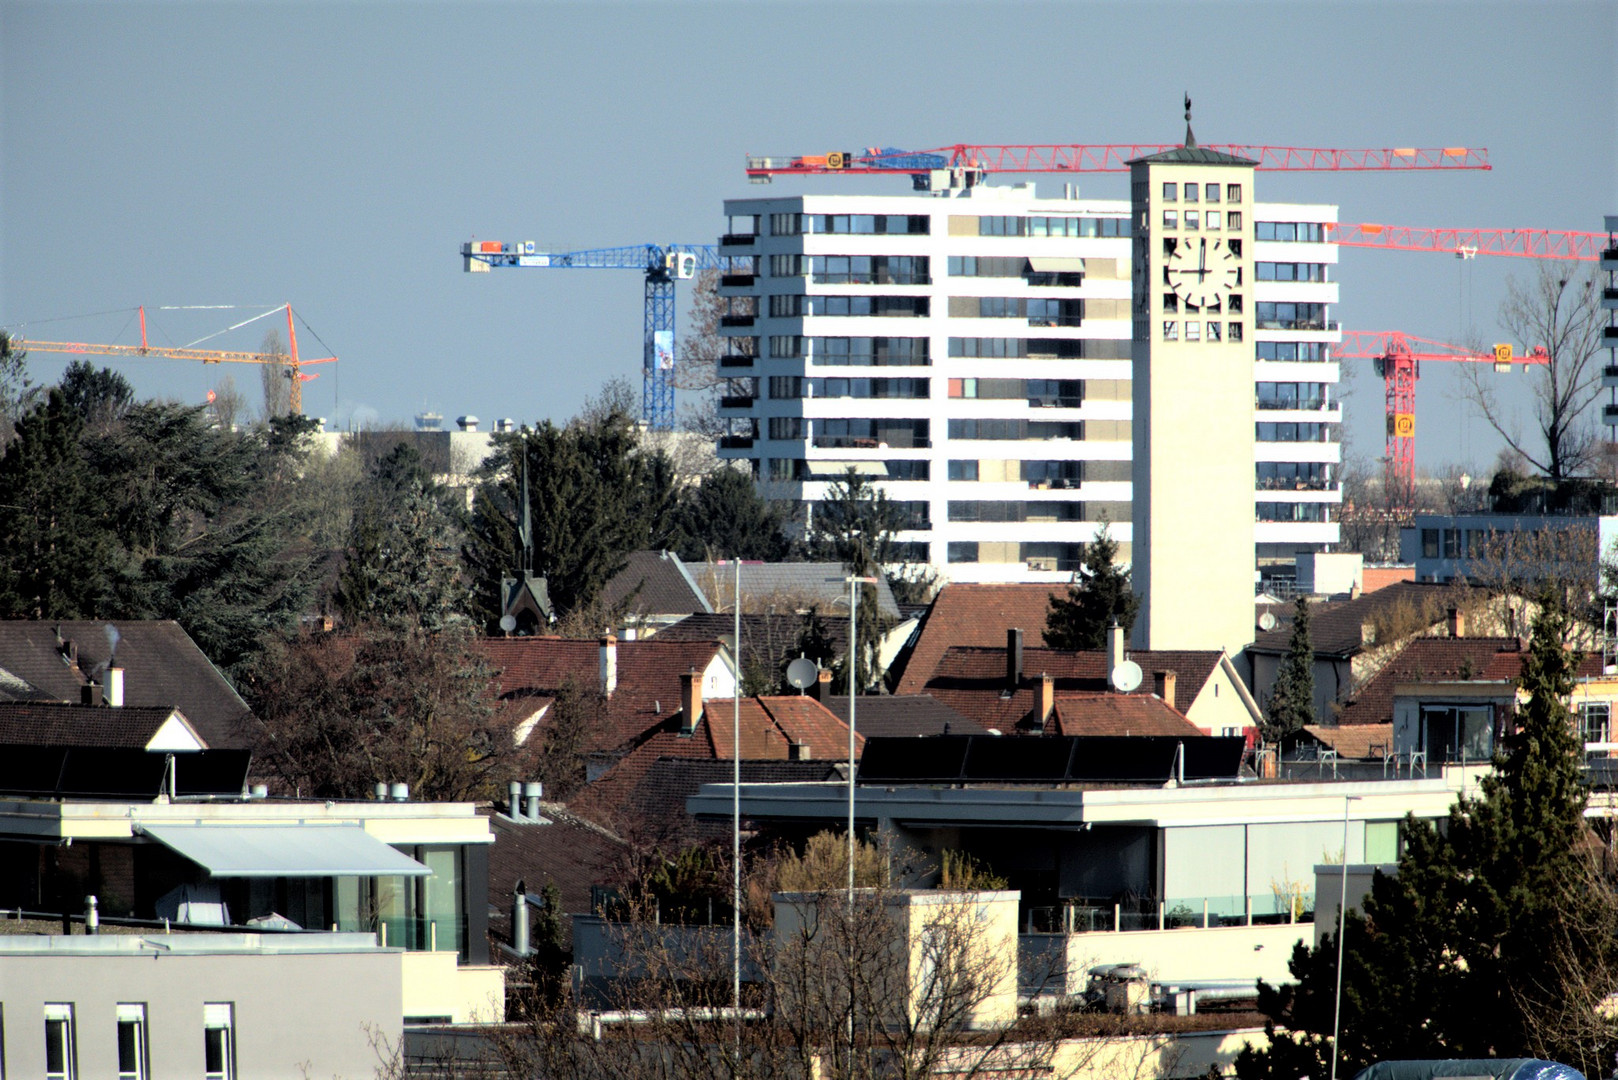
x,y
1285,905
1055,320
1305,404
1610,371
864,442
1277,484
1296,324
736,401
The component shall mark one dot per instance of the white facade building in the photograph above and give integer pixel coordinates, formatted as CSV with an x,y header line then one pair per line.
x,y
971,351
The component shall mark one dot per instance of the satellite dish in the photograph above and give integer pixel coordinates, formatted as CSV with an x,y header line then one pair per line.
x,y
1266,621
1126,677
508,623
803,672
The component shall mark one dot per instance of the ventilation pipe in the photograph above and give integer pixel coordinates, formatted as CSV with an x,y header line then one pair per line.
x,y
1013,659
519,919
400,792
1115,646
92,915
532,792
115,686
514,799
609,665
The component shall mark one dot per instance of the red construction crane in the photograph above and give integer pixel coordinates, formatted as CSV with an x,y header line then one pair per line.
x,y
1523,243
1398,358
292,362
1113,157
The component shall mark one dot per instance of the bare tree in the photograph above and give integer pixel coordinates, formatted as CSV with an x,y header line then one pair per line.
x,y
700,350
226,404
1560,311
276,378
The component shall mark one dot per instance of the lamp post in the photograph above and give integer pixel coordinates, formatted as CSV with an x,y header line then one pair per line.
x,y
1342,921
854,584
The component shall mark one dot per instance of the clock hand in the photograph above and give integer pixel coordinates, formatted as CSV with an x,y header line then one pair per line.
x,y
1202,259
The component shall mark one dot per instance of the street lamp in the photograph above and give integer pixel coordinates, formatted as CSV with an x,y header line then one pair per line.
x,y
854,584
1342,921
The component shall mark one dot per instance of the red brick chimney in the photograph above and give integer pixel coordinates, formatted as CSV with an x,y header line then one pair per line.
x,y
821,691
1457,622
1047,701
690,701
1163,685
609,665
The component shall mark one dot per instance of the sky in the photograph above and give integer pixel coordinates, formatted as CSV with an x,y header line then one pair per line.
x,y
336,155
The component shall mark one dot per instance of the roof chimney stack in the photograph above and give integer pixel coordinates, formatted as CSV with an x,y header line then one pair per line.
x,y
609,665
90,694
822,687
1115,646
1047,701
115,686
1457,623
1163,685
691,701
1013,659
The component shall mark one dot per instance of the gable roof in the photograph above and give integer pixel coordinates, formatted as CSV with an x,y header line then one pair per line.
x,y
59,724
527,670
162,667
1343,628
972,680
768,641
1120,714
901,715
664,583
567,851
819,583
1435,659
965,614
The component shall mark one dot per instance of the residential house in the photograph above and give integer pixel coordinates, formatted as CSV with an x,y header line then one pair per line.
x,y
969,614
655,589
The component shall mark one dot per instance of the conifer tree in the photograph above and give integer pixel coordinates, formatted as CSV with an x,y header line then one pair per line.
x,y
1495,938
1099,594
1292,699
854,525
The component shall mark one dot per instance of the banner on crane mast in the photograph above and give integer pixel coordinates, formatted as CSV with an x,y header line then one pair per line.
x,y
1402,425
663,348
1502,357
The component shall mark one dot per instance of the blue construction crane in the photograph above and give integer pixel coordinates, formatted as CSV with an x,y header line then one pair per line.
x,y
663,265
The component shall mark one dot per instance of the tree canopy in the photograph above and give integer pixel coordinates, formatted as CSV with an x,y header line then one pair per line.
x,y
1495,938
1099,594
854,525
724,516
1292,699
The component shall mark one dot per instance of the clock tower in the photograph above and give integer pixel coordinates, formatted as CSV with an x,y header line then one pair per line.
x,y
1193,432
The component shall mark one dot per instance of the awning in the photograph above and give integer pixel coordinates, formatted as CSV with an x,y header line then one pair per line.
x,y
1051,265
833,470
268,851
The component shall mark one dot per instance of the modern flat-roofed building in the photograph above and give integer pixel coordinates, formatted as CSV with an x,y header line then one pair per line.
x,y
970,350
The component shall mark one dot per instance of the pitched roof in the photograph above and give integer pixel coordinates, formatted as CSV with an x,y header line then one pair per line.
x,y
1342,628
964,614
768,641
1191,154
665,587
972,680
1359,742
1433,659
58,724
568,851
1120,714
162,667
902,715
820,583
528,669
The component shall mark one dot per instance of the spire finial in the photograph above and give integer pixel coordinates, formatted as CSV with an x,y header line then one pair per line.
x,y
1190,139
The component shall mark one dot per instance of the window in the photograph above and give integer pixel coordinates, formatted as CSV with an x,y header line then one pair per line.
x,y
868,352
218,1041
1233,221
1381,841
61,1049
1288,351
1293,476
1429,543
869,269
1211,193
1293,511
960,469
869,224
786,427
1272,316
1040,348
1311,232
1268,432
1233,193
1211,219
1191,193
786,265
1595,721
1233,331
1193,330
1191,219
963,551
909,469
1171,192
1457,733
1171,220
786,224
1213,331
1273,271
782,468
132,1042
1171,331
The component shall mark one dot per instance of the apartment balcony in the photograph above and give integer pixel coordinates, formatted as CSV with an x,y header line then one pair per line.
x,y
1609,375
1609,336
861,442
737,281
1609,259
736,360
1297,324
737,320
1300,405
1277,484
737,401
735,442
1609,415
737,239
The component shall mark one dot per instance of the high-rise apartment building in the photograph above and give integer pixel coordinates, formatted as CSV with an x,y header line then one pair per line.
x,y
970,350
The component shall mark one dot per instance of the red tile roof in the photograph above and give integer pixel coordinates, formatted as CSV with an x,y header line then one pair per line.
x,y
964,614
972,680
569,851
648,677
1119,714
1359,742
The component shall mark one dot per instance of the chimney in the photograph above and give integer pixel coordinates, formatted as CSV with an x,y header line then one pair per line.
x,y
532,792
1047,701
1457,622
90,694
467,423
115,686
609,665
1115,646
514,799
1013,659
1163,685
691,701
822,687
800,751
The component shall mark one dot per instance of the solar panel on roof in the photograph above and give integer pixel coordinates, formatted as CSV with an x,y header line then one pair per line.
x,y
938,759
1030,760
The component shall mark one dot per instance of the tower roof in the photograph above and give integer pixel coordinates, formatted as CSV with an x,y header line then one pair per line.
x,y
1193,155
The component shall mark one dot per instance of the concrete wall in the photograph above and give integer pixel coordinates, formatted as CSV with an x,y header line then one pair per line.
x,y
309,1013
436,987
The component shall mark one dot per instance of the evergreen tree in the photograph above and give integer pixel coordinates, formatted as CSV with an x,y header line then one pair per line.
x,y
1494,939
854,525
402,559
1292,699
57,549
1099,594
17,393
98,395
724,516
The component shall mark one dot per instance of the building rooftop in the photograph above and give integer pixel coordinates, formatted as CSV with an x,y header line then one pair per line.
x,y
963,614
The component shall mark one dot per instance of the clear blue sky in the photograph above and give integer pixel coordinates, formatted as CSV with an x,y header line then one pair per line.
x,y
337,154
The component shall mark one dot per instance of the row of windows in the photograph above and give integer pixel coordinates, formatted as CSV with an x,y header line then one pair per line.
x,y
832,432
1312,232
1233,303
1210,192
1012,510
798,469
1293,511
853,351
1272,432
1211,220
1056,473
1063,557
1287,351
1039,311
850,224
1293,476
1002,225
134,1063
1193,330
1290,395
1064,393
1289,316
784,387
796,305
1279,271
854,269
1017,430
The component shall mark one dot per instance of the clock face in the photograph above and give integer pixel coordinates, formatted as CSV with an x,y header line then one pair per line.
x,y
1202,270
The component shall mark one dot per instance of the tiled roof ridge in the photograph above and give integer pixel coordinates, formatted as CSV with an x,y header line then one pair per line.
x,y
563,813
